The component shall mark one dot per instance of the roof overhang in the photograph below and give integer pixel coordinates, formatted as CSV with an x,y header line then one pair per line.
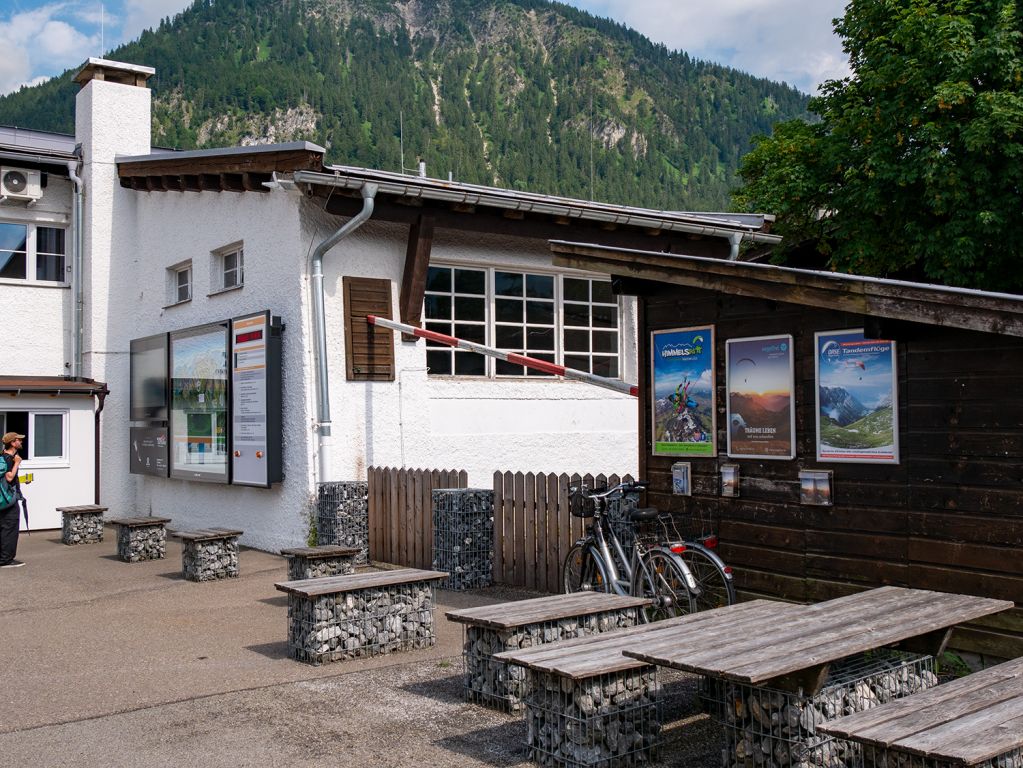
x,y
50,385
938,305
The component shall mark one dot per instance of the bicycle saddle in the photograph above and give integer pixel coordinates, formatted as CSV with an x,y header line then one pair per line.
x,y
644,513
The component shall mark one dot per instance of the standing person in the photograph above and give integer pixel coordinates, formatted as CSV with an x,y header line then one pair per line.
x,y
9,516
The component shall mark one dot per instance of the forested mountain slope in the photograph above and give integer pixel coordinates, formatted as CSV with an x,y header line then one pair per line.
x,y
518,93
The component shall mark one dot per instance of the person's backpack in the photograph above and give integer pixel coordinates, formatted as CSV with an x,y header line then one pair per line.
x,y
8,492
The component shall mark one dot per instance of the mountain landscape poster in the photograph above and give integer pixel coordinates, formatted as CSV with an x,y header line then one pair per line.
x,y
682,374
761,400
857,417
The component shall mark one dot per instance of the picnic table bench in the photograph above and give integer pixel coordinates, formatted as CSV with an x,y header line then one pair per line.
x,y
82,524
320,561
967,722
365,614
141,538
782,674
209,554
493,629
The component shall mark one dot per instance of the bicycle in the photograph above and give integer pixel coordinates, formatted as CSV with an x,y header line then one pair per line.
x,y
679,576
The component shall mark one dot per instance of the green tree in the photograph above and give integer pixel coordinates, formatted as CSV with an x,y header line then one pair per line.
x,y
916,165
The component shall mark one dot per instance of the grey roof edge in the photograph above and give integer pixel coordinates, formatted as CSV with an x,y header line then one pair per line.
x,y
44,144
98,61
195,154
865,280
721,225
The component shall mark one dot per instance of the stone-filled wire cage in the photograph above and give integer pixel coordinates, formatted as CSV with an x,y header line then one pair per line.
x,y
498,684
463,536
882,757
764,726
361,623
605,721
342,516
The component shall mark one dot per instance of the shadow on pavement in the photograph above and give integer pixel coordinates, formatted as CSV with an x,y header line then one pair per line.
x,y
500,745
447,689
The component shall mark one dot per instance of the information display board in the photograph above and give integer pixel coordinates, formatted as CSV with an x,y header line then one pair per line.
x,y
148,451
199,403
255,400
148,362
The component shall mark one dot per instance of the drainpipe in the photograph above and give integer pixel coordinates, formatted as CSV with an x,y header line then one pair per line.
x,y
734,240
77,237
369,192
101,398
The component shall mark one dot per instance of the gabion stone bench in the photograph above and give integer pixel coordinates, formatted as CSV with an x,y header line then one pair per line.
x,y
141,538
366,614
318,562
82,524
209,553
493,629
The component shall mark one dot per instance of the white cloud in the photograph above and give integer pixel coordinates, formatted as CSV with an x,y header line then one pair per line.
x,y
37,44
789,40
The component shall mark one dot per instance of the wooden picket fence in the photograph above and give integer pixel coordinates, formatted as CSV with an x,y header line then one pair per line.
x,y
533,529
401,513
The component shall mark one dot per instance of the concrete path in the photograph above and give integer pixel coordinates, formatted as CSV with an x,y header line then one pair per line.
x,y
115,664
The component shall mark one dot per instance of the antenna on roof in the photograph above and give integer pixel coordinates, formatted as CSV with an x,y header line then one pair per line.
x,y
102,29
401,137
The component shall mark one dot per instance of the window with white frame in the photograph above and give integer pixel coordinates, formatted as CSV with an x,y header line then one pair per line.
x,y
179,283
33,252
46,435
573,321
228,267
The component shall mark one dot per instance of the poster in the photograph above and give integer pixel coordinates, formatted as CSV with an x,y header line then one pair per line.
x,y
148,451
857,409
249,337
199,379
761,398
682,379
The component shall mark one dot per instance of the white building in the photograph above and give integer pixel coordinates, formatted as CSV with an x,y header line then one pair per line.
x,y
174,240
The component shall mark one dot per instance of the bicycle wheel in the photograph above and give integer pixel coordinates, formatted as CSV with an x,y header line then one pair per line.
x,y
661,579
582,572
714,587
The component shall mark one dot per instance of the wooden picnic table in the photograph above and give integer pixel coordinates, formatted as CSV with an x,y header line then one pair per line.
x,y
966,722
793,651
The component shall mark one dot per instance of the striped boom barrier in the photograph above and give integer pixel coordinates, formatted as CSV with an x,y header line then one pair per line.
x,y
530,362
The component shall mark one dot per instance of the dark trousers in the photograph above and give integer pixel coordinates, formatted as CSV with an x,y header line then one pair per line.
x,y
9,533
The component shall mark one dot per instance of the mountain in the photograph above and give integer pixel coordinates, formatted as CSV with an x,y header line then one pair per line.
x,y
842,407
523,94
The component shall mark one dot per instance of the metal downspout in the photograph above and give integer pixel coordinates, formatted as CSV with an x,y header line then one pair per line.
x,y
77,289
734,240
101,398
369,192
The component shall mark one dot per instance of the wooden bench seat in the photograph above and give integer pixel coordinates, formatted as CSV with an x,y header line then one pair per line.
x,y
494,629
320,561
965,722
141,538
82,524
209,554
364,614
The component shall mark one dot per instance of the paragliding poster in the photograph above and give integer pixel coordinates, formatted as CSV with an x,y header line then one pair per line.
x,y
857,415
761,407
682,372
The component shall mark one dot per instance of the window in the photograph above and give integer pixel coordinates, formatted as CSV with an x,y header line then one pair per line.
x,y
46,435
569,320
228,266
33,253
179,283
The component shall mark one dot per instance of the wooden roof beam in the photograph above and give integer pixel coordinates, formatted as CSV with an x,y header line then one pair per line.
x,y
173,183
191,182
232,182
413,280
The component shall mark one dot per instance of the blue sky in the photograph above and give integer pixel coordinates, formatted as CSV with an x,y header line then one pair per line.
x,y
787,40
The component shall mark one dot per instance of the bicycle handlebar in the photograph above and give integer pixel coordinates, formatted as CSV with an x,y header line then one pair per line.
x,y
602,493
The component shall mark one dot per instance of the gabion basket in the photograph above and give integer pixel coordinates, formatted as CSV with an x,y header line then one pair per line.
x,y
463,537
766,726
342,516
882,757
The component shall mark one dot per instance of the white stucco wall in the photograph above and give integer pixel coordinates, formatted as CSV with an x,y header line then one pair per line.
x,y
40,343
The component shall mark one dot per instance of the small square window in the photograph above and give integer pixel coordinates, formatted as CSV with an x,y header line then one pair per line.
x,y
179,283
227,268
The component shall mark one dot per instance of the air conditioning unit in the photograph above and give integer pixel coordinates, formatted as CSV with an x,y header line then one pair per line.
x,y
20,184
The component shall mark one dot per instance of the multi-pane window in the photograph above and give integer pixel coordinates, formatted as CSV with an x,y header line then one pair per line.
x,y
179,283
233,263
568,320
32,253
228,268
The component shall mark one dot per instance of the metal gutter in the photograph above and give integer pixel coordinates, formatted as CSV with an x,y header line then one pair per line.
x,y
467,194
194,154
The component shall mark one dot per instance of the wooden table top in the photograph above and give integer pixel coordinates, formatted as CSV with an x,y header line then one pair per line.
x,y
967,721
137,522
205,534
585,657
82,509
332,585
793,649
542,609
323,550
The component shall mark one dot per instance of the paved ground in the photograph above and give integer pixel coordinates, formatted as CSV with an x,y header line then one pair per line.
x,y
113,664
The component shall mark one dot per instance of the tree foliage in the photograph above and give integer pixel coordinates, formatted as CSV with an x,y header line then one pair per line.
x,y
526,94
916,166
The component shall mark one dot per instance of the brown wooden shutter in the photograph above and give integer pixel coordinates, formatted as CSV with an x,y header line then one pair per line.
x,y
369,350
